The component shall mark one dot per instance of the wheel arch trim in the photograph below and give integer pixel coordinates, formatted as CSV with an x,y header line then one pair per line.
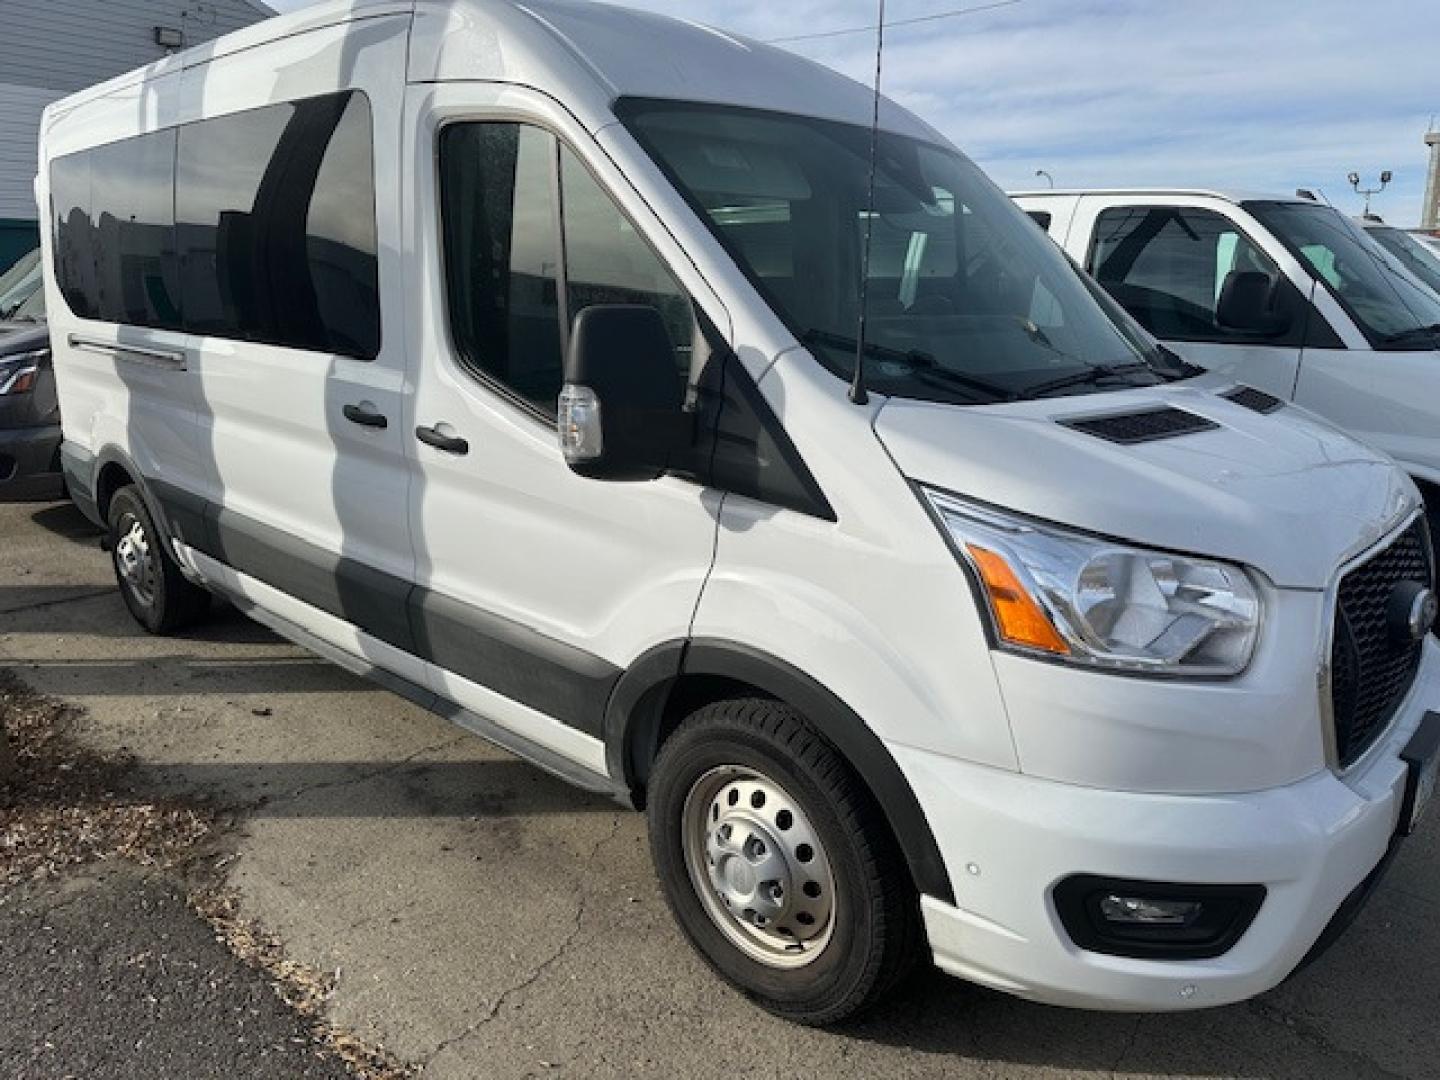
x,y
637,707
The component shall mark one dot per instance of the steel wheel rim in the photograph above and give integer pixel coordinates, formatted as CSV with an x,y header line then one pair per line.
x,y
758,866
134,560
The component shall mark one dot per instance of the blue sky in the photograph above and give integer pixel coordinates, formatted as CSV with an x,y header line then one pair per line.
x,y
1264,95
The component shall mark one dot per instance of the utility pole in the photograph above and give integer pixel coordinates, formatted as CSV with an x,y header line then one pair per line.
x,y
1430,212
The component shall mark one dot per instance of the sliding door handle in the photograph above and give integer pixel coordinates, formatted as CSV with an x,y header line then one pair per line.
x,y
433,436
365,415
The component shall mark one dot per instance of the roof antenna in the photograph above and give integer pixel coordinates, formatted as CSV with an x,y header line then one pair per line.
x,y
857,384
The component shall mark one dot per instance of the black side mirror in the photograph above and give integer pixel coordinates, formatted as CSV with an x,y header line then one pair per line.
x,y
621,409
1247,304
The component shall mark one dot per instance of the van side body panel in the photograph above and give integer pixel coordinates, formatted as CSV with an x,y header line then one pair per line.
x,y
269,411
873,605
114,400
504,533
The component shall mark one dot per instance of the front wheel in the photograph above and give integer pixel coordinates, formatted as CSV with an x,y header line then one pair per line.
x,y
151,584
778,864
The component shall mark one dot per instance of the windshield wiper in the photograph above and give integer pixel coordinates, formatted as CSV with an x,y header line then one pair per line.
x,y
921,363
1091,376
1414,333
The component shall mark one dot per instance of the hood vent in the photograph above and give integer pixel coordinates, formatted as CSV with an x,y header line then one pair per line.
x,y
1247,397
1128,429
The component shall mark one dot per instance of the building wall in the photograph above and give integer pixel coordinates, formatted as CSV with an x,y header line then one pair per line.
x,y
50,48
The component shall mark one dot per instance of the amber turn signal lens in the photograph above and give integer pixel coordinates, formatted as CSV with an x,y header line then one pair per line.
x,y
1019,618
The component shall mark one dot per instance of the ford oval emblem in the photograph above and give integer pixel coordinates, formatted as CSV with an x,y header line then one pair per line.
x,y
1411,612
1423,613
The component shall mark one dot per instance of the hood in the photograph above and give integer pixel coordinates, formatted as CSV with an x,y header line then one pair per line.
x,y
1283,492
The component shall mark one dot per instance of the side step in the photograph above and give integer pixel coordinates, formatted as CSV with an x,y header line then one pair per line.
x,y
540,756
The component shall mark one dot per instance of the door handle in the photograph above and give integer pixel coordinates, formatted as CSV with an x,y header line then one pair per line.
x,y
365,416
433,436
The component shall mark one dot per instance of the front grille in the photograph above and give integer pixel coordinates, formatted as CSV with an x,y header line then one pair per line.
x,y
1371,665
1127,429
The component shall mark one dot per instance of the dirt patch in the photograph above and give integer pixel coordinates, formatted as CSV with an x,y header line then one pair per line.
x,y
64,805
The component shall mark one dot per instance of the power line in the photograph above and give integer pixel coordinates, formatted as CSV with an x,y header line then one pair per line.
x,y
893,23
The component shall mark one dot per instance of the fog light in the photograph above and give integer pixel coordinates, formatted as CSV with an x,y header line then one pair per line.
x,y
1138,910
1155,920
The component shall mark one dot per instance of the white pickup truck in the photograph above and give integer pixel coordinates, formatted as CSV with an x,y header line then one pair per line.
x,y
1283,293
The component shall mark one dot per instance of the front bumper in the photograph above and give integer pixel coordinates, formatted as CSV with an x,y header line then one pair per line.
x,y
1007,839
29,461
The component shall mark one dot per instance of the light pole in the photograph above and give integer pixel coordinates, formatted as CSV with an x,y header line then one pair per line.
x,y
1354,179
1048,178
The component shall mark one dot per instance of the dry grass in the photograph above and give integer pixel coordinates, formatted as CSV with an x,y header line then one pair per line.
x,y
63,805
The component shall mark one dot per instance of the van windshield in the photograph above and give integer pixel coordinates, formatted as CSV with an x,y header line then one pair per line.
x,y
1392,309
967,301
1422,260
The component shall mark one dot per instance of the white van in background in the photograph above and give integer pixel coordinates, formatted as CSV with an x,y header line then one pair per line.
x,y
1408,249
504,353
1285,294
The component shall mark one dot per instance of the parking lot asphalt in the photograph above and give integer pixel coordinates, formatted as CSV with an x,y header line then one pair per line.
x,y
484,920
110,975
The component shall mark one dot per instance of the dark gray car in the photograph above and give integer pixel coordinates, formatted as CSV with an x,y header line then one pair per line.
x,y
29,409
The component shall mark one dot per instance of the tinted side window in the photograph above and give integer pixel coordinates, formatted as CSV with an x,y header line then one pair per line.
x,y
1166,265
608,262
217,180
1041,218
259,225
74,237
501,255
132,217
507,271
275,217
340,244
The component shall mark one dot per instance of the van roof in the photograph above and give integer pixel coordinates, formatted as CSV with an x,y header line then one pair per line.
x,y
1232,195
594,52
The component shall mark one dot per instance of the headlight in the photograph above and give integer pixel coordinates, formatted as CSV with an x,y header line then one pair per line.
x,y
1090,601
18,372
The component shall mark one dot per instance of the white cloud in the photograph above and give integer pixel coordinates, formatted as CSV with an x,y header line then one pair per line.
x,y
1257,94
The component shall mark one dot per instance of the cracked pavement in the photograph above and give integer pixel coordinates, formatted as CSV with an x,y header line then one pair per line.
x,y
485,920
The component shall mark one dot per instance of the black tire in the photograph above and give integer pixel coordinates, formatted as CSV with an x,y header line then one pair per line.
x,y
875,931
163,599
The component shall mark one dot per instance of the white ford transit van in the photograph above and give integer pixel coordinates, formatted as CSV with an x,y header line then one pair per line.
x,y
504,352
1286,294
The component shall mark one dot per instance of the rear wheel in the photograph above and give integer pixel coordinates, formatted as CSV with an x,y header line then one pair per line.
x,y
151,584
778,864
